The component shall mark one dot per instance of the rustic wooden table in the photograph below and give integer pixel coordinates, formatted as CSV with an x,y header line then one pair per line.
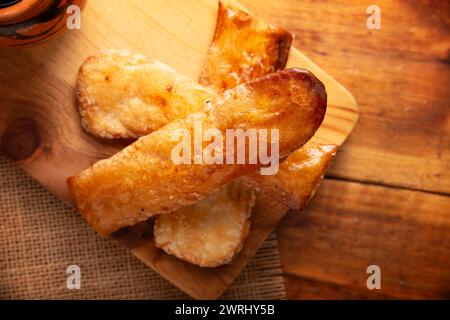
x,y
385,200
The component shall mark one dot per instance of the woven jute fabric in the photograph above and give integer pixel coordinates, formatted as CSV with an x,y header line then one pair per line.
x,y
40,236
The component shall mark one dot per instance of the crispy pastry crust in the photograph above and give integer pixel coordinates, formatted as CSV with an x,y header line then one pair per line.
x,y
125,95
142,180
210,232
244,48
298,177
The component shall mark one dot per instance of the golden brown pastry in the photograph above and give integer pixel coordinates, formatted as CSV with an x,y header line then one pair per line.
x,y
298,177
210,232
124,95
244,48
142,180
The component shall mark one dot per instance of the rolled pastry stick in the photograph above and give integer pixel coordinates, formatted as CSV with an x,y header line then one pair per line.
x,y
244,48
210,232
125,95
142,180
298,177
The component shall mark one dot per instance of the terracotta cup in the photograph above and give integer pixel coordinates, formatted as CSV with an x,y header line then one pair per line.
x,y
30,22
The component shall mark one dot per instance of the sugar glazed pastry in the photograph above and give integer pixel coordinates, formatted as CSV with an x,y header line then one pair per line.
x,y
210,232
142,180
244,48
298,177
198,234
125,95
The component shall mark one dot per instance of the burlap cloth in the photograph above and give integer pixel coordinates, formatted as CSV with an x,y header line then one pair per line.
x,y
40,236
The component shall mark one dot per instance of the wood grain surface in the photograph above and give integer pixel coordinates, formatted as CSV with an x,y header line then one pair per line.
x,y
40,127
386,200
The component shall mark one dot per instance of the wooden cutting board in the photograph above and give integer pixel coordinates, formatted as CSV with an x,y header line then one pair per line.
x,y
40,129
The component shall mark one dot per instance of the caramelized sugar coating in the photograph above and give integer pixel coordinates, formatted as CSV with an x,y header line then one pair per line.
x,y
244,48
142,180
210,232
125,95
298,177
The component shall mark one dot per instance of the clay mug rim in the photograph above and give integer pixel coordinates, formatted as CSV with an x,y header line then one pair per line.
x,y
22,11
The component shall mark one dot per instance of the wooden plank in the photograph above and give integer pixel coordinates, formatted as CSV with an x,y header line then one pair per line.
x,y
40,128
349,226
399,75
312,289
